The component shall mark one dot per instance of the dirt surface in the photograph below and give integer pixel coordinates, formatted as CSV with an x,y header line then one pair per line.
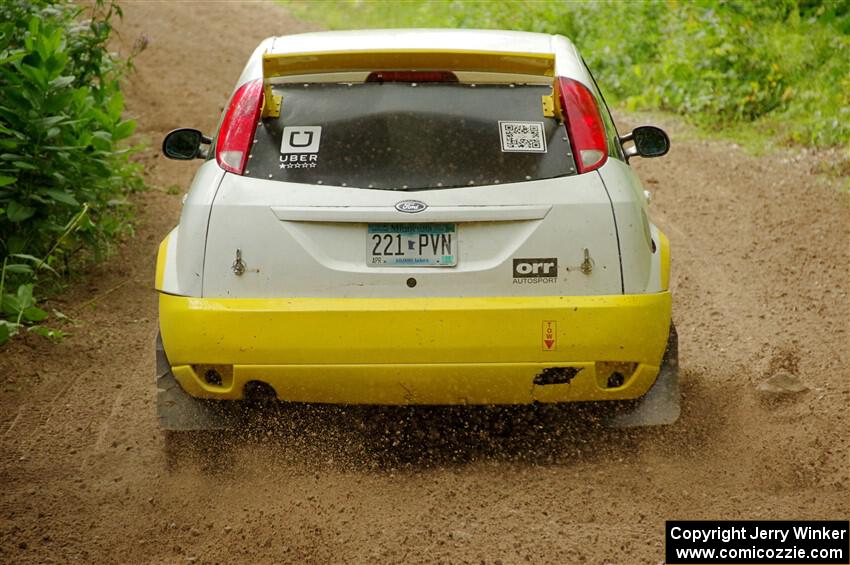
x,y
760,251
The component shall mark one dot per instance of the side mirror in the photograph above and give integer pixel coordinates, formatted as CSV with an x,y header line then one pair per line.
x,y
649,141
185,144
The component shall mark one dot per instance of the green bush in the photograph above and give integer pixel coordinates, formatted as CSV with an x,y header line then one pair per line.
x,y
782,67
64,175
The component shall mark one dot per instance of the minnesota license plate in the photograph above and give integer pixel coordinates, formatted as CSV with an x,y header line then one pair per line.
x,y
411,245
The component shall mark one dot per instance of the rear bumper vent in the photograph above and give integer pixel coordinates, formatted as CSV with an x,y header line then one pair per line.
x,y
556,376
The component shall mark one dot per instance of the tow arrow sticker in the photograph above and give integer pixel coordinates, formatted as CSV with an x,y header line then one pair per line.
x,y
550,335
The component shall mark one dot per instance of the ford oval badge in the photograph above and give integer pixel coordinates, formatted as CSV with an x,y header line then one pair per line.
x,y
410,206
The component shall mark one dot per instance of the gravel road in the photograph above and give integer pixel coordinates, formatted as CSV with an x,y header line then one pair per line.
x,y
760,252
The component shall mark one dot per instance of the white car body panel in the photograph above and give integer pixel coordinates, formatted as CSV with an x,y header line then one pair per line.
x,y
633,229
386,214
313,253
187,243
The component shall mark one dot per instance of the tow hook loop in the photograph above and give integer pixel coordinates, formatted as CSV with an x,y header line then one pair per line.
x,y
587,264
556,376
238,265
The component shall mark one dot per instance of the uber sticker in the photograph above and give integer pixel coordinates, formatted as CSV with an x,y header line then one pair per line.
x,y
535,271
522,137
299,147
301,139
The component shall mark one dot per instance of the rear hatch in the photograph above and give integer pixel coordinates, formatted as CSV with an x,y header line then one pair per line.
x,y
410,136
385,189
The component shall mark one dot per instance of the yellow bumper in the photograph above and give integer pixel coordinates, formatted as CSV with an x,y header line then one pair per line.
x,y
417,350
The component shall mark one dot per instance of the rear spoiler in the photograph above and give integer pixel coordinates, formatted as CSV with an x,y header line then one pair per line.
x,y
291,64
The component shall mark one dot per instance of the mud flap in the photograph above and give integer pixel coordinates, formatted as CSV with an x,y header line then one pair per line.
x,y
660,405
178,411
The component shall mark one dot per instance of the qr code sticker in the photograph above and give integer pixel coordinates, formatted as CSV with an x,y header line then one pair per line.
x,y
522,137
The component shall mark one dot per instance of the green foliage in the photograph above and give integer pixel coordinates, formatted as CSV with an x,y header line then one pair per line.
x,y
64,174
781,66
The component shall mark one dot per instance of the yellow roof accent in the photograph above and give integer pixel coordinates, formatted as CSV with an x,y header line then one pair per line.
x,y
291,64
287,64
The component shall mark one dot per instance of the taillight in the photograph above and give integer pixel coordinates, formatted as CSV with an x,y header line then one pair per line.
x,y
237,128
584,124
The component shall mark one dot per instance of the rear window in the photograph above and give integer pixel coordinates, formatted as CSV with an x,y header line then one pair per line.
x,y
408,136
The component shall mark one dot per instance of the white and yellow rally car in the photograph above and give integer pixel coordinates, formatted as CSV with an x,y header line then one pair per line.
x,y
415,217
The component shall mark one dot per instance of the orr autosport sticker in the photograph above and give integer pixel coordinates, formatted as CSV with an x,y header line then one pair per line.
x,y
299,147
535,271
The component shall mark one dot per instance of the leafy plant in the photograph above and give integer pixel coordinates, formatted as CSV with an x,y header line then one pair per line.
x,y
64,173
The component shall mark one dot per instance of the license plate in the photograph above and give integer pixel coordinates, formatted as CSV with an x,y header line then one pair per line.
x,y
411,245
